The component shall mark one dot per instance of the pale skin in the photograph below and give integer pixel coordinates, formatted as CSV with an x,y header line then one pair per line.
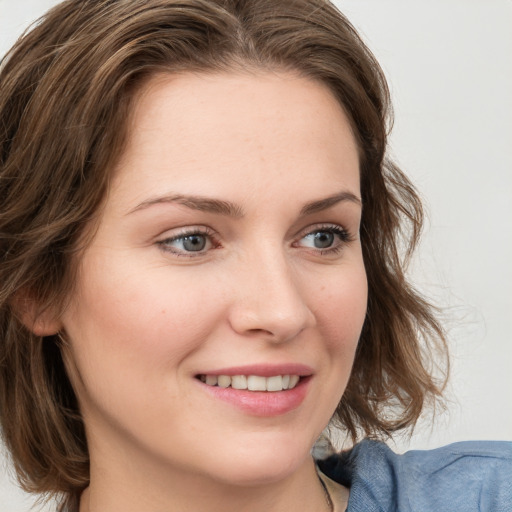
x,y
260,171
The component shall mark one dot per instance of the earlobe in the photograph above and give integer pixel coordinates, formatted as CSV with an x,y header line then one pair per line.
x,y
41,322
44,326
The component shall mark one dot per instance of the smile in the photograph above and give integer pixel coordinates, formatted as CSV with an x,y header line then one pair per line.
x,y
252,382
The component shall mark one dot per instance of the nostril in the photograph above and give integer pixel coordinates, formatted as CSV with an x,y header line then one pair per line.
x,y
259,332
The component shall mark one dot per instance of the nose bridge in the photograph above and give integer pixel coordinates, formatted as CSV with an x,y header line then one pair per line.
x,y
270,301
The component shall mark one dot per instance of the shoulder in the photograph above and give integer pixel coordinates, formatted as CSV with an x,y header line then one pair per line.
x,y
474,476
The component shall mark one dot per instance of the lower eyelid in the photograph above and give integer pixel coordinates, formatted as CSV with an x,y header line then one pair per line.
x,y
165,244
342,238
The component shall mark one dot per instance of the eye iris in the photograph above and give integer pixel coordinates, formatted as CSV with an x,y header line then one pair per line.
x,y
194,243
323,239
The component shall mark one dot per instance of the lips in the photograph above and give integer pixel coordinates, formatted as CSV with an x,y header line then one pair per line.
x,y
259,390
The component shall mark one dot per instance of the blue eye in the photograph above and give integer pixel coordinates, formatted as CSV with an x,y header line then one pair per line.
x,y
193,243
326,239
321,239
186,244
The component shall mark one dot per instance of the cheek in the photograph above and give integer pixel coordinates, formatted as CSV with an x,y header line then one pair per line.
x,y
137,320
341,310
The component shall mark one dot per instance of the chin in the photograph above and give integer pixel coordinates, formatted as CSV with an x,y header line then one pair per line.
x,y
263,461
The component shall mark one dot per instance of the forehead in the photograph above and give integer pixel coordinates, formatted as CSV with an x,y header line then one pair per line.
x,y
202,130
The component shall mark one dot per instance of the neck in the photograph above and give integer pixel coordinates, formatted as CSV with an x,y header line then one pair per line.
x,y
179,490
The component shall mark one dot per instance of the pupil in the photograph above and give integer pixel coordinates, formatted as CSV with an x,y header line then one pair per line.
x,y
323,239
194,243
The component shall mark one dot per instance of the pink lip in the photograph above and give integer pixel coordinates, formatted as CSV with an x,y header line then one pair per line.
x,y
263,370
262,403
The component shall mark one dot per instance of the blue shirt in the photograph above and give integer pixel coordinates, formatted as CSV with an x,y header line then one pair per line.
x,y
472,476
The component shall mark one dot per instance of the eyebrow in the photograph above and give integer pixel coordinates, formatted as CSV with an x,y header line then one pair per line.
x,y
227,208
200,203
324,204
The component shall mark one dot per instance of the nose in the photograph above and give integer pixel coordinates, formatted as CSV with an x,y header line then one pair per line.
x,y
268,301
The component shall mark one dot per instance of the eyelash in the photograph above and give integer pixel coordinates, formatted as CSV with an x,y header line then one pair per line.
x,y
206,232
343,235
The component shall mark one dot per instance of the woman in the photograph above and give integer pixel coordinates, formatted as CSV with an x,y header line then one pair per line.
x,y
201,268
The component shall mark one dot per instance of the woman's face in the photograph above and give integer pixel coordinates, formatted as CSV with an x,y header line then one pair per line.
x,y
227,254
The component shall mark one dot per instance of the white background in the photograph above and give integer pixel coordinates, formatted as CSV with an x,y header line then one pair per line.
x,y
449,64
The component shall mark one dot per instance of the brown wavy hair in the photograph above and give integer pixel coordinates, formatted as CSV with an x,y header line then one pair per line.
x,y
66,88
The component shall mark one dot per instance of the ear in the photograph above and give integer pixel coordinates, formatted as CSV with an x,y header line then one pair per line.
x,y
42,322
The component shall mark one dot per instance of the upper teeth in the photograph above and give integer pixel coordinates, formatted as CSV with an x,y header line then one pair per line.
x,y
252,382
